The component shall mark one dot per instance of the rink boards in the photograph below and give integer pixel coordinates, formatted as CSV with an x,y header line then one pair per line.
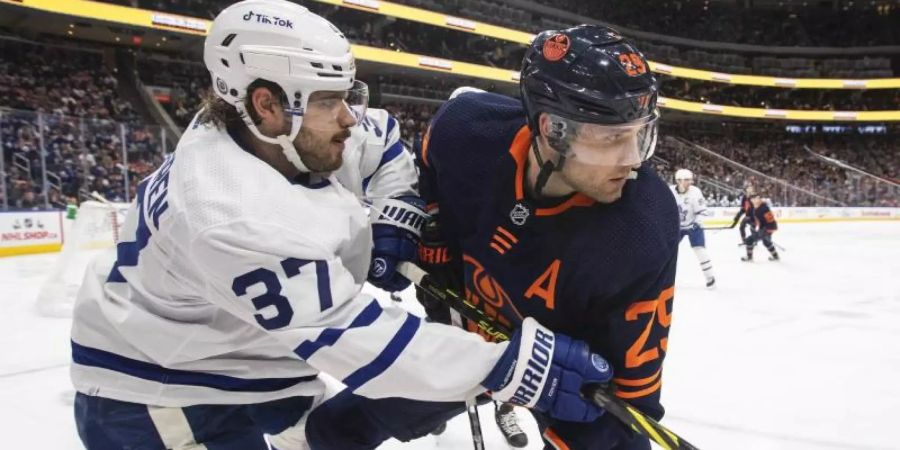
x,y
29,232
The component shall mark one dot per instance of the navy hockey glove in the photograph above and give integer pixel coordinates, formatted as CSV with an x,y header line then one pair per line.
x,y
546,372
396,229
442,265
754,236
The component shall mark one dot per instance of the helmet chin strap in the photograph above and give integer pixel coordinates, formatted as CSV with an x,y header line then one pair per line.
x,y
287,148
284,141
547,167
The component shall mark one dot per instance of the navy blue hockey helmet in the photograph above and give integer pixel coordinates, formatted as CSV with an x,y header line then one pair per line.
x,y
588,74
599,93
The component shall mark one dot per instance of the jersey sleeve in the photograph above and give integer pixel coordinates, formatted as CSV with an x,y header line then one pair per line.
x,y
392,172
303,296
700,207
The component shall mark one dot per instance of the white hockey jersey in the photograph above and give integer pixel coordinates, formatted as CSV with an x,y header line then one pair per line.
x,y
232,284
376,164
691,205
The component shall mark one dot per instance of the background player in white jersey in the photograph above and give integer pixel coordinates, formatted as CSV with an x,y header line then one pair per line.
x,y
239,271
692,205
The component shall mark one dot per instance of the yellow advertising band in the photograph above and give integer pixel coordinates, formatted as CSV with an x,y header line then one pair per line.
x,y
182,24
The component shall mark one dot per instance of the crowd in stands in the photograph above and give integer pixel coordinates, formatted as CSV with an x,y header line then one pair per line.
x,y
188,80
800,24
779,165
67,100
413,119
714,21
699,19
83,155
47,79
362,27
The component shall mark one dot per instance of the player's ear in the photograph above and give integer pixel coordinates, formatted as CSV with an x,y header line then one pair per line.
x,y
545,125
266,110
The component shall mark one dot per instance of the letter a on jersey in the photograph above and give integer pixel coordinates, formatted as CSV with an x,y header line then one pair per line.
x,y
545,285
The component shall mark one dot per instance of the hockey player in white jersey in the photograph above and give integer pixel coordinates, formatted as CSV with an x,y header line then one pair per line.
x,y
239,271
691,206
377,168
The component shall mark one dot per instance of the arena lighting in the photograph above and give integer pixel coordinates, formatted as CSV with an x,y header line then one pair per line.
x,y
197,26
482,29
187,25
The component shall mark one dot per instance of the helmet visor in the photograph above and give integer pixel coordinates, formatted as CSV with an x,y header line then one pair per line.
x,y
325,108
605,145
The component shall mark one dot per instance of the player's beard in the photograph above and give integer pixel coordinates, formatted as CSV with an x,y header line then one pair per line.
x,y
320,152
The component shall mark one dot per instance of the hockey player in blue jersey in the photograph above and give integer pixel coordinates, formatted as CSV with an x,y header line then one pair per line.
x,y
764,227
240,268
546,210
747,212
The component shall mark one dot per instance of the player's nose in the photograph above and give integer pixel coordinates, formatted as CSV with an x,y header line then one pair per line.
x,y
345,118
630,154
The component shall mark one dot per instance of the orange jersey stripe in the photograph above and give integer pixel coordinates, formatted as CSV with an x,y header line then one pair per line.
x,y
578,199
425,147
497,248
519,151
553,439
637,382
508,235
502,241
641,393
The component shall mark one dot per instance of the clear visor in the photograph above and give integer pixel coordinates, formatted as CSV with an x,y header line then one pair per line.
x,y
606,145
326,109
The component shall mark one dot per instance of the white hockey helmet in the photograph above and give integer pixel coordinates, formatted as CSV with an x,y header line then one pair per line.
x,y
286,44
684,174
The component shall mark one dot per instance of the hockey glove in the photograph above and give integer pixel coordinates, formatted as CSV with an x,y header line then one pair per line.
x,y
396,229
754,236
441,264
546,371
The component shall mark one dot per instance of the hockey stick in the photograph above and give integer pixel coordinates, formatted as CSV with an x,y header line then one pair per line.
x,y
475,424
716,228
629,415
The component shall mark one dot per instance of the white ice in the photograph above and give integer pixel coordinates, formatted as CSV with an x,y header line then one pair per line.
x,y
799,354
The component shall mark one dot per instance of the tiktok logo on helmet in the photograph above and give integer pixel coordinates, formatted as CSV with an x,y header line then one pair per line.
x,y
264,19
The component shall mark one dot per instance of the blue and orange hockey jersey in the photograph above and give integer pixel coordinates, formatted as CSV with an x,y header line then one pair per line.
x,y
746,208
603,273
764,218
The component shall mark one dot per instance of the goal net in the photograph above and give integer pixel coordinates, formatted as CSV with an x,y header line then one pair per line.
x,y
93,229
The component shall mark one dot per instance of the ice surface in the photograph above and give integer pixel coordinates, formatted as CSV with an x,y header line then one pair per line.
x,y
798,354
